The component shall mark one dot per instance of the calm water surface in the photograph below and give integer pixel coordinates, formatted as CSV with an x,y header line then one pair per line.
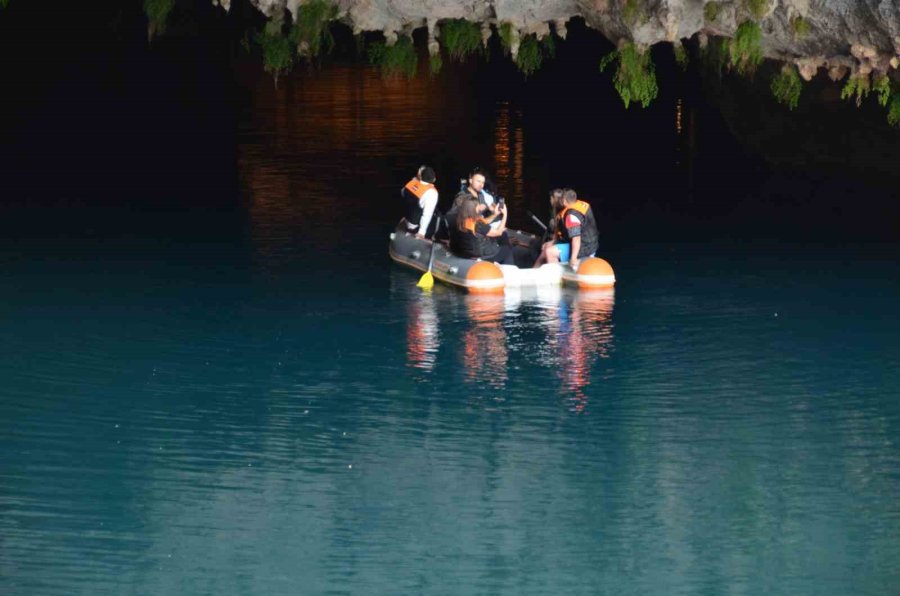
x,y
250,397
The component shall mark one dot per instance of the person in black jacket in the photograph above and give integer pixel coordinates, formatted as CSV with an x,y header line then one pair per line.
x,y
473,237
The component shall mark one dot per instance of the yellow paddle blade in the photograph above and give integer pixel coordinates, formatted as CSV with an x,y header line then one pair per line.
x,y
427,281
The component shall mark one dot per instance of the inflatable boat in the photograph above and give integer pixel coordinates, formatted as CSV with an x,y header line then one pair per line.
x,y
485,277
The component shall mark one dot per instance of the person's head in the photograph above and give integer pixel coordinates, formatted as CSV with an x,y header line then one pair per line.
x,y
426,174
569,196
476,179
556,198
468,209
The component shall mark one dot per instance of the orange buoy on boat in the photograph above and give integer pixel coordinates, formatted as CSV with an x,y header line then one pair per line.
x,y
485,277
594,272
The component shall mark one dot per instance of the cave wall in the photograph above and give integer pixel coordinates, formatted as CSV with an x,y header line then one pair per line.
x,y
855,36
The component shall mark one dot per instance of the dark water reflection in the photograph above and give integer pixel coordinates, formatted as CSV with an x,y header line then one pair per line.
x,y
257,401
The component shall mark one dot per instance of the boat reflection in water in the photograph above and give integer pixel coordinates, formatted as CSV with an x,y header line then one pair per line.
x,y
485,350
558,331
581,330
422,332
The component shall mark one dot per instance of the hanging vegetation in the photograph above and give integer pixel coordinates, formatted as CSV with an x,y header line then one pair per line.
x,y
635,79
311,33
460,38
882,88
548,45
435,64
530,55
681,55
893,116
277,49
157,12
399,59
787,85
745,48
531,51
508,35
857,87
716,54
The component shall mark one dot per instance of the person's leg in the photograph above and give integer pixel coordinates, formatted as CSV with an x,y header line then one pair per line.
x,y
552,253
545,251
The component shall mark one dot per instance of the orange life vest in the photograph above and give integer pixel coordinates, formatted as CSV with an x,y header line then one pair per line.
x,y
469,224
417,187
579,206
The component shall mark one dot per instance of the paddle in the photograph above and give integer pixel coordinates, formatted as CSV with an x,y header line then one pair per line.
x,y
426,282
536,220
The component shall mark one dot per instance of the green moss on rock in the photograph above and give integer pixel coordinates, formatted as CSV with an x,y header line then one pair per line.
x,y
800,27
757,8
711,11
634,12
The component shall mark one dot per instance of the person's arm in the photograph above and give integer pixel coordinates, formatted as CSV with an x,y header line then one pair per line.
x,y
429,202
573,225
498,231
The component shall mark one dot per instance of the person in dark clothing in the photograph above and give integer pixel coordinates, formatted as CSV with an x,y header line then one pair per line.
x,y
474,238
576,235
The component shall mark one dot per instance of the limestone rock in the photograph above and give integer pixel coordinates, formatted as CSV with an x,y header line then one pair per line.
x,y
870,28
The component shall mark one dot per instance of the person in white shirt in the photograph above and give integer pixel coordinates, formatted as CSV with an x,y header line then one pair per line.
x,y
420,198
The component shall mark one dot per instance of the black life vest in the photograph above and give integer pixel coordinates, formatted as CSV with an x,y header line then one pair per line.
x,y
590,237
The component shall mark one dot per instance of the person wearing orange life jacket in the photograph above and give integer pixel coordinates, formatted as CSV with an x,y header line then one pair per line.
x,y
473,237
420,198
576,233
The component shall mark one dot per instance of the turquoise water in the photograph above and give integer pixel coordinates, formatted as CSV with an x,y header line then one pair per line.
x,y
251,398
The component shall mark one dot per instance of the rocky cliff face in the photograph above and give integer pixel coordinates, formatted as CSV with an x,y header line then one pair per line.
x,y
842,36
